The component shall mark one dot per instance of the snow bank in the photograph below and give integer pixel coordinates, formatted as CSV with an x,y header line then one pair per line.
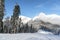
x,y
44,32
28,36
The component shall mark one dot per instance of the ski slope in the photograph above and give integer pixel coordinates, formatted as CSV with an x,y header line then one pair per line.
x,y
29,36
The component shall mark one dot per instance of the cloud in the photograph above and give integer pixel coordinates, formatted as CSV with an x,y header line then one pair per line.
x,y
52,18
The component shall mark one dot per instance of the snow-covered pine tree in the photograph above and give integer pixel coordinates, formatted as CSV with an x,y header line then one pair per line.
x,y
15,17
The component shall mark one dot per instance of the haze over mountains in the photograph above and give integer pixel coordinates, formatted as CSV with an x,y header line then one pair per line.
x,y
52,18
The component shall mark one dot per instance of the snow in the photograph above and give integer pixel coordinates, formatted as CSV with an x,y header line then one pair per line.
x,y
44,32
29,36
52,18
24,19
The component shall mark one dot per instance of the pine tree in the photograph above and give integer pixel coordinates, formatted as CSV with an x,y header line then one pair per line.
x,y
31,28
15,18
1,15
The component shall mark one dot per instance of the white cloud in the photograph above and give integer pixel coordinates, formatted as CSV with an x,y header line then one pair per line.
x,y
52,18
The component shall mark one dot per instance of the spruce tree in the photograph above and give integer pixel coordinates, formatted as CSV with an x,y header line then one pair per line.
x,y
1,15
15,17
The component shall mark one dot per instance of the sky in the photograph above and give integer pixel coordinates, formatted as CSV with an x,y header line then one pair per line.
x,y
31,8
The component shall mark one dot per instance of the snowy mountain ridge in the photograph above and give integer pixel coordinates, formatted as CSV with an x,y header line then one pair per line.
x,y
24,19
52,18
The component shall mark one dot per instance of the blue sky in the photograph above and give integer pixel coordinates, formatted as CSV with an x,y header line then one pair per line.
x,y
32,8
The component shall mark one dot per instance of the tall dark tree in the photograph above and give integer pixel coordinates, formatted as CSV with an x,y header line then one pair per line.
x,y
15,18
16,11
1,14
26,28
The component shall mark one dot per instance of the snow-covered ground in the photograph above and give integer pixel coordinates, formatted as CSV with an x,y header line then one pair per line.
x,y
29,36
45,32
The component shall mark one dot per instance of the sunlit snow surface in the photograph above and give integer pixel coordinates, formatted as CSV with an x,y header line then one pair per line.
x,y
29,36
44,32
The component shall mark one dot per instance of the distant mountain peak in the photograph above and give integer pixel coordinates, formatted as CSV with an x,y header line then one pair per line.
x,y
52,18
24,19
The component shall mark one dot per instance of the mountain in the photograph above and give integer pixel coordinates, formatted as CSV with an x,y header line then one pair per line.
x,y
24,19
52,18
46,26
42,21
46,22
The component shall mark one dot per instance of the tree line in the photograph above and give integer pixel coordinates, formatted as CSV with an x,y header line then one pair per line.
x,y
14,25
